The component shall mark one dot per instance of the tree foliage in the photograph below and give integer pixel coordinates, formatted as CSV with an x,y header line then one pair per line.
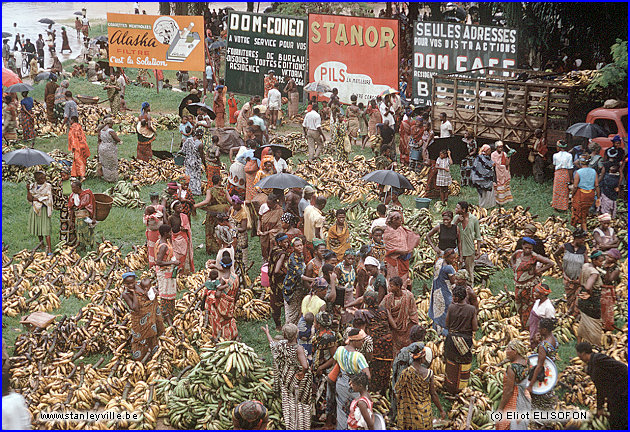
x,y
612,80
333,8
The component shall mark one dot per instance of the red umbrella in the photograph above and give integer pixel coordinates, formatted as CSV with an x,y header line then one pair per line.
x,y
9,78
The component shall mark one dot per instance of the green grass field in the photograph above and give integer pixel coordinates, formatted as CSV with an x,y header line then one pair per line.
x,y
124,226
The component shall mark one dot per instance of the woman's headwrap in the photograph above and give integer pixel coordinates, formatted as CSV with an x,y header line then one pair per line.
x,y
462,274
562,144
529,240
357,337
128,274
224,234
604,217
318,242
281,237
319,283
172,186
174,203
422,351
614,253
267,158
145,105
65,83
370,298
596,254
324,319
237,199
371,261
484,148
295,239
518,346
540,289
250,414
350,252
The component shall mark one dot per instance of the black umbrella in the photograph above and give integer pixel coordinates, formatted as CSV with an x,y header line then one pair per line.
x,y
286,152
389,177
78,13
6,34
204,107
101,38
46,21
27,157
193,109
217,45
587,130
43,76
19,88
282,181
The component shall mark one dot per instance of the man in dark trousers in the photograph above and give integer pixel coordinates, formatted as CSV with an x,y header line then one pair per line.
x,y
611,381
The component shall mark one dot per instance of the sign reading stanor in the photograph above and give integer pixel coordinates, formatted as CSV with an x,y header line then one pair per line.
x,y
353,54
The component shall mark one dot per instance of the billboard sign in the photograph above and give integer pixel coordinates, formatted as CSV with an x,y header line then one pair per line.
x,y
441,47
156,42
356,55
257,43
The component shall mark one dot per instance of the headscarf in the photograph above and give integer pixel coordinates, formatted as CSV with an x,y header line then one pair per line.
x,y
128,274
519,347
324,319
267,158
540,289
237,199
349,252
65,83
281,237
174,203
357,337
421,351
250,414
391,215
614,253
562,144
462,274
596,254
319,283
370,298
224,234
484,148
288,218
371,261
604,217
145,105
529,240
318,242
172,186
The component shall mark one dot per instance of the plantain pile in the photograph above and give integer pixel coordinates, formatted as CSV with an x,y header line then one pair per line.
x,y
343,178
254,301
125,194
227,374
295,141
144,173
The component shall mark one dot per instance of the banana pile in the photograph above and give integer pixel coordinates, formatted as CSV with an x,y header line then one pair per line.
x,y
254,301
343,179
125,195
227,374
295,141
144,173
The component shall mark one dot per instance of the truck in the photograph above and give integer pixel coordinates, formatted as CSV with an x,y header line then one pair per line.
x,y
510,104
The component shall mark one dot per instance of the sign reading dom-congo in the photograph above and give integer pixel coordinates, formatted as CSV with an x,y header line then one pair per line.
x,y
258,43
156,42
354,54
441,48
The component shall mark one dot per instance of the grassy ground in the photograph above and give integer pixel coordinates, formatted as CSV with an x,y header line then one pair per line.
x,y
123,226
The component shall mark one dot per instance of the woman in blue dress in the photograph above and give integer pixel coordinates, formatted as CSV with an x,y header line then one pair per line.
x,y
441,293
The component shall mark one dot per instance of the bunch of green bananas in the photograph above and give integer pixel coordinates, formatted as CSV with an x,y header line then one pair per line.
x,y
125,195
228,374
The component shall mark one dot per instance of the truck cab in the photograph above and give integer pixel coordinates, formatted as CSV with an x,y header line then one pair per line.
x,y
613,121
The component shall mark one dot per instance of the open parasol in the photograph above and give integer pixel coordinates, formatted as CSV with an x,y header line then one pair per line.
x,y
389,177
282,181
9,78
317,87
587,130
286,151
27,157
46,21
204,107
388,91
19,88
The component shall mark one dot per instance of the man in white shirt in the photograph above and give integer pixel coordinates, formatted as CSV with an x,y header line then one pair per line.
x,y
274,102
446,128
314,219
209,77
258,121
381,209
312,126
279,164
387,111
120,80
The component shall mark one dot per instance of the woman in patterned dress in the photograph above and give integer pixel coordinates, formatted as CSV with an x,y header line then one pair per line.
x,y
221,311
514,397
547,347
165,263
466,164
527,274
502,190
441,294
414,392
346,276
194,160
9,117
377,326
292,378
146,316
374,116
27,118
293,288
325,344
339,132
277,270
402,311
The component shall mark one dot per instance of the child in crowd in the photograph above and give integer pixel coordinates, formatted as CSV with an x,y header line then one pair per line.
x,y
361,415
185,128
305,332
609,186
167,85
443,179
